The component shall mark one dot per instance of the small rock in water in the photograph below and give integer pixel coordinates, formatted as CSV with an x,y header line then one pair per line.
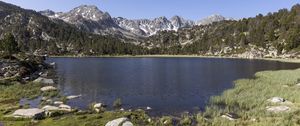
x,y
148,108
277,109
34,113
65,107
48,88
58,102
52,64
73,97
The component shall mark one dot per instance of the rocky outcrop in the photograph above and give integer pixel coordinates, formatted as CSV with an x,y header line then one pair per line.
x,y
34,113
44,80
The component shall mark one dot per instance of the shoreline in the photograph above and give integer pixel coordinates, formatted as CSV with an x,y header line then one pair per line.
x,y
287,60
248,96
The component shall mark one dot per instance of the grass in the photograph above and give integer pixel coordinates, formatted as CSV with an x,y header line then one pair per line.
x,y
249,97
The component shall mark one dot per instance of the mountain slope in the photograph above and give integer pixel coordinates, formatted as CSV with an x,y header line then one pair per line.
x,y
273,35
40,34
91,19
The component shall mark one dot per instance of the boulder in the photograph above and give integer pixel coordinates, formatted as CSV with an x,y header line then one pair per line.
x,y
119,122
148,108
127,123
48,88
65,107
34,113
44,80
99,105
276,100
277,109
73,97
58,103
50,108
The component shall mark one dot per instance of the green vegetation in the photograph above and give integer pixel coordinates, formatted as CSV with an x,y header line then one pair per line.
x,y
9,44
248,99
117,103
279,30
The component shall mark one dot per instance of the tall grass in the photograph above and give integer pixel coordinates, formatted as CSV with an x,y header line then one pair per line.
x,y
249,97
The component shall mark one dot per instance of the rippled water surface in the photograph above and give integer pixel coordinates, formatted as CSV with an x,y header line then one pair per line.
x,y
168,85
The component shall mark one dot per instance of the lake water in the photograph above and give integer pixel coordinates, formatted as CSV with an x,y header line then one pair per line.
x,y
167,85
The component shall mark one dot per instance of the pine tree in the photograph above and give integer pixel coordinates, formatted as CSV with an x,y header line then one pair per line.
x,y
9,45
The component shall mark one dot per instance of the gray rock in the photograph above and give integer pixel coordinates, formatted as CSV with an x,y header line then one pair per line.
x,y
50,108
44,80
58,103
8,74
65,107
148,108
73,96
98,105
48,88
29,113
52,64
276,100
127,123
117,122
277,109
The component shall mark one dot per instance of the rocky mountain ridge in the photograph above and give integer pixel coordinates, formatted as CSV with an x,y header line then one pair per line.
x,y
92,19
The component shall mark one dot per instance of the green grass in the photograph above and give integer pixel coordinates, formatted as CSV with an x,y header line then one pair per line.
x,y
249,97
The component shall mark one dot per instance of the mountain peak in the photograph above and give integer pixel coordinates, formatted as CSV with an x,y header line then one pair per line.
x,y
47,12
89,12
210,19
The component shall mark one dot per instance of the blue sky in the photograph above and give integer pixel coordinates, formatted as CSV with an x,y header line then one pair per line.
x,y
191,9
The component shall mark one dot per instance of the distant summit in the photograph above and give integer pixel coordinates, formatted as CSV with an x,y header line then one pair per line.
x,y
91,18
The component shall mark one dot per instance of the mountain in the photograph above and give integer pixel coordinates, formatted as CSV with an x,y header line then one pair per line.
x,y
91,19
273,35
88,18
36,33
210,19
146,27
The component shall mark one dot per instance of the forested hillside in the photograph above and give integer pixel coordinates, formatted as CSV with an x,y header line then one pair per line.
x,y
37,33
277,32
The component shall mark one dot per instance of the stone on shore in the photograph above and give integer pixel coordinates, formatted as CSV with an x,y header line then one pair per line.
x,y
34,113
230,116
277,109
65,107
127,123
50,108
119,122
276,100
44,80
48,88
99,105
